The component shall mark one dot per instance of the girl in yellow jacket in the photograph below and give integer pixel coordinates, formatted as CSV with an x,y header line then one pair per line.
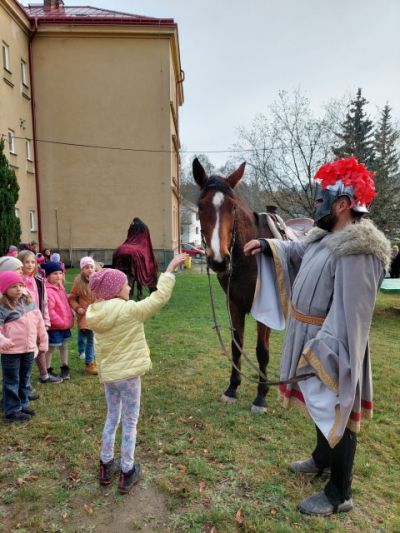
x,y
122,357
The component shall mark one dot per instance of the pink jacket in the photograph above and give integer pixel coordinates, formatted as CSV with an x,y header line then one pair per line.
x,y
23,326
61,316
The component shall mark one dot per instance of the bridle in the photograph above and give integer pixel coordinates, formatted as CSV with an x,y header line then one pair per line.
x,y
217,326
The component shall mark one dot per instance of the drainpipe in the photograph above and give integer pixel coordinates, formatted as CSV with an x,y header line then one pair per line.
x,y
35,151
181,80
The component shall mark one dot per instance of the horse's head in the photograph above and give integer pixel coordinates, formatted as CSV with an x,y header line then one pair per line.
x,y
217,204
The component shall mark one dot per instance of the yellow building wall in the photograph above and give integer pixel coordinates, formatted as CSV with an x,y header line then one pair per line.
x,y
114,93
16,114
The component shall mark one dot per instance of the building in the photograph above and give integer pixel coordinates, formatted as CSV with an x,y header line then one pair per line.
x,y
105,90
190,223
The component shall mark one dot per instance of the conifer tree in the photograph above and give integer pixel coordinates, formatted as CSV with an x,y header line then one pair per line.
x,y
357,134
10,227
385,209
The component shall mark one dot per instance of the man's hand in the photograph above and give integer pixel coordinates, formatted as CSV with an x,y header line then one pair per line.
x,y
252,247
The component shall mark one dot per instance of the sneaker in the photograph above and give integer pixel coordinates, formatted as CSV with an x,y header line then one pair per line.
x,y
108,470
28,411
32,396
91,368
308,467
50,379
319,505
19,416
81,355
51,373
64,371
128,479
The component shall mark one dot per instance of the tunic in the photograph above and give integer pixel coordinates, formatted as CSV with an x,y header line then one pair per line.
x,y
331,281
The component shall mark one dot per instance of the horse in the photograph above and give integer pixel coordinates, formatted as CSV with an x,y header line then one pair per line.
x,y
135,257
221,212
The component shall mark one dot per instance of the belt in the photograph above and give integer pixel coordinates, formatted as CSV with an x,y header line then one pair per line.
x,y
307,319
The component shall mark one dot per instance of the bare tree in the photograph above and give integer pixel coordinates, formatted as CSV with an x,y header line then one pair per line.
x,y
284,150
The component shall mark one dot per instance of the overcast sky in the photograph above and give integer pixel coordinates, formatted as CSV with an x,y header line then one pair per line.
x,y
238,54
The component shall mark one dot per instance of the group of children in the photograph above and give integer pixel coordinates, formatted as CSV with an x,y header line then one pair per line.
x,y
107,319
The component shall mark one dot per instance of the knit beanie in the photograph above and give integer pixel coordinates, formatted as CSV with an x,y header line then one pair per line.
x,y
86,261
51,267
9,263
7,279
12,248
106,283
55,257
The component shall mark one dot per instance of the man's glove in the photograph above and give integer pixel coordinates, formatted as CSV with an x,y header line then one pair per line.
x,y
265,247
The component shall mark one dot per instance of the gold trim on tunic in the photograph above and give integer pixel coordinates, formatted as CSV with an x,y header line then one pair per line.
x,y
306,319
280,278
322,374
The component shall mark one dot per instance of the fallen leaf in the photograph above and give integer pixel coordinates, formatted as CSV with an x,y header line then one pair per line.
x,y
378,519
32,478
181,468
45,423
159,460
64,515
182,420
274,511
88,430
18,526
170,414
83,442
20,481
239,518
88,509
261,437
48,437
250,428
191,439
202,485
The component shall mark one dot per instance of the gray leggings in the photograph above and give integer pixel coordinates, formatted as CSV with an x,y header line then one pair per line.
x,y
121,396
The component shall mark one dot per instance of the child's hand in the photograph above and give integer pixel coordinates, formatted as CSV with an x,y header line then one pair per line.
x,y
176,261
8,345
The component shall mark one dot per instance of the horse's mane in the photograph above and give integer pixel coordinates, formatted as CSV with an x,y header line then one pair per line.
x,y
215,182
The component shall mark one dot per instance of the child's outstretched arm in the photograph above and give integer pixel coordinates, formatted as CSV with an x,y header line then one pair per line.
x,y
157,299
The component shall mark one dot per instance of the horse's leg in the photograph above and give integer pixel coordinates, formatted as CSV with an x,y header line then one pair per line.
x,y
238,320
139,291
262,350
131,283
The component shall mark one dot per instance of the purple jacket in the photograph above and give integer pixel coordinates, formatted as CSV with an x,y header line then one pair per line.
x,y
60,312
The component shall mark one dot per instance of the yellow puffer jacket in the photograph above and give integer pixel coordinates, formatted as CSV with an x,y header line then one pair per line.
x,y
119,340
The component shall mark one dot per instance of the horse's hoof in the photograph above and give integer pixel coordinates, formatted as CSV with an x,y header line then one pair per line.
x,y
228,400
256,409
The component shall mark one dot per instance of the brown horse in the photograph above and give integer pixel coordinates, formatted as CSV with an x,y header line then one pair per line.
x,y
218,208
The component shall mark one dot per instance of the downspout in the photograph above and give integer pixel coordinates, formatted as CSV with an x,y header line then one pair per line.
x,y
178,174
35,152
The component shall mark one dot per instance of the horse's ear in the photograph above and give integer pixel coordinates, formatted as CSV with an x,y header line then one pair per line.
x,y
199,174
236,176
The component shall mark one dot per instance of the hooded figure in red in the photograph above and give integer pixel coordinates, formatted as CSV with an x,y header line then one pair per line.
x,y
135,257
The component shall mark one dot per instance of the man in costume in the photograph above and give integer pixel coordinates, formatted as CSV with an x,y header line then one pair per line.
x,y
328,286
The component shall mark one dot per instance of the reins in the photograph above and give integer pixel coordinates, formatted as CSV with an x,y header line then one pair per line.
x,y
217,326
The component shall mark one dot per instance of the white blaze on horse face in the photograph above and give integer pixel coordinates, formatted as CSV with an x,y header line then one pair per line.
x,y
215,242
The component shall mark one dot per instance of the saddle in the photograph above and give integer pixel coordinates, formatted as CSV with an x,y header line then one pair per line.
x,y
294,229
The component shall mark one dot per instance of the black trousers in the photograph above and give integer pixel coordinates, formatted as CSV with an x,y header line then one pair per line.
x,y
340,459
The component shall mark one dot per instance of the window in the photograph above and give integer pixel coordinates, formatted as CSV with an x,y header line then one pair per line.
x,y
32,220
11,141
23,73
6,57
197,230
28,150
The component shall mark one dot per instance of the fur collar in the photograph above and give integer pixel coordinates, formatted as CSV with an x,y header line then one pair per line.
x,y
359,238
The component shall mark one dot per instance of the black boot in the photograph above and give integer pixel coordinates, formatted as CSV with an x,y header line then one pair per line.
x,y
128,479
108,470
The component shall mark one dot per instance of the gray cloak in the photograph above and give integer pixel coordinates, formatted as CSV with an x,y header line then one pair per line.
x,y
331,281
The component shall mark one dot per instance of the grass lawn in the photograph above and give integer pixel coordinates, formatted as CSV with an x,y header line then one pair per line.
x,y
208,467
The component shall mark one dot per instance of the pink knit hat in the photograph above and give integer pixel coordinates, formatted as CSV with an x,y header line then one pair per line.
x,y
106,283
86,261
7,279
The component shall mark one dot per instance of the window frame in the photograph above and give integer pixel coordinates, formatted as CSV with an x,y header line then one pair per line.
x,y
6,56
28,149
11,141
24,77
32,220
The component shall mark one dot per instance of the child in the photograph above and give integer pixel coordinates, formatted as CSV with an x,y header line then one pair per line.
x,y
34,286
80,299
10,264
12,251
21,325
61,317
123,356
55,258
